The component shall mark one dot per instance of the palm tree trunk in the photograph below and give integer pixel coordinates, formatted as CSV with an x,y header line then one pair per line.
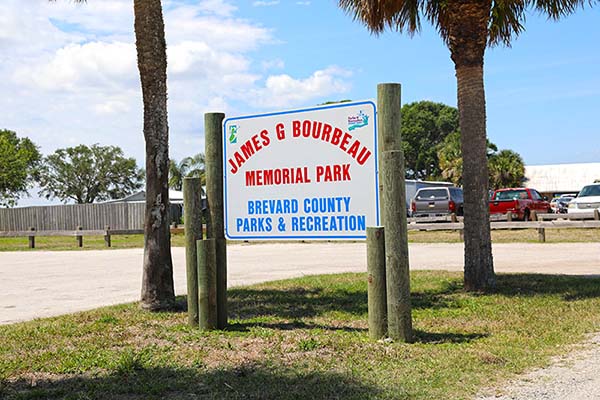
x,y
479,267
467,30
157,280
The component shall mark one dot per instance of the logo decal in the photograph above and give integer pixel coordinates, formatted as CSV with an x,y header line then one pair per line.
x,y
233,130
358,121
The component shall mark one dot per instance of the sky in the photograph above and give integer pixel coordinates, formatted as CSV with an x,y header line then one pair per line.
x,y
68,73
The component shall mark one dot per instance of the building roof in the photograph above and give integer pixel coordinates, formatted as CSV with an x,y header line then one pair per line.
x,y
561,178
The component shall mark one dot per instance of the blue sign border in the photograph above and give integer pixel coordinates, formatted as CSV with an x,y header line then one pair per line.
x,y
271,237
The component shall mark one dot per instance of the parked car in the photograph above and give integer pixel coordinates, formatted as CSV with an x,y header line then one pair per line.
x,y
437,201
519,202
588,199
411,187
560,204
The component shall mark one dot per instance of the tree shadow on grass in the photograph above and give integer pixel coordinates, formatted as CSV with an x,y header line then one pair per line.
x,y
249,381
567,286
297,303
446,337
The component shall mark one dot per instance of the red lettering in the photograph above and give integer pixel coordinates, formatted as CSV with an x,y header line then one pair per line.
x,y
316,129
265,137
354,148
295,128
320,171
346,172
363,156
286,176
247,150
279,129
337,134
256,143
239,159
345,141
234,168
306,128
326,132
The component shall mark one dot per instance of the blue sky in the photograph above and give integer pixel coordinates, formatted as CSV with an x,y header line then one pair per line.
x,y
69,75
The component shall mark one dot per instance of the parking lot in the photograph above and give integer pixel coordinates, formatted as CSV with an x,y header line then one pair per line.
x,y
42,284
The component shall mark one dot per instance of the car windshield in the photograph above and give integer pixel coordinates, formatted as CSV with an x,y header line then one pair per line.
x,y
592,190
427,194
511,195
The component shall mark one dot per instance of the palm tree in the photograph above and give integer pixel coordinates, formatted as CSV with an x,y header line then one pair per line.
x,y
506,170
450,158
157,279
190,167
467,27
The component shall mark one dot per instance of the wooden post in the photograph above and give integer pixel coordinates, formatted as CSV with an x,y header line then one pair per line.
x,y
377,307
79,237
32,238
213,139
509,216
192,218
393,212
107,239
596,214
207,284
534,216
542,234
388,129
396,248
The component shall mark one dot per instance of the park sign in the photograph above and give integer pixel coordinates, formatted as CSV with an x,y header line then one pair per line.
x,y
301,174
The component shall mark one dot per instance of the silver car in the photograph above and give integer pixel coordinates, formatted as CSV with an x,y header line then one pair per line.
x,y
437,201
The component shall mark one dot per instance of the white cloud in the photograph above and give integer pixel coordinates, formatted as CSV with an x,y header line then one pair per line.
x,y
261,3
75,66
273,64
285,91
69,72
303,3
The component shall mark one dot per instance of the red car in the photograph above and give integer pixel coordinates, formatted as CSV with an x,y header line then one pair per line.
x,y
519,202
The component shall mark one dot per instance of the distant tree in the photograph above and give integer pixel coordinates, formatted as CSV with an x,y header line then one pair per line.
x,y
506,169
425,125
450,158
334,102
18,159
87,174
188,167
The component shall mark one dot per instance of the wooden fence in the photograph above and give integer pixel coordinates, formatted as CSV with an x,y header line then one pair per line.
x,y
123,216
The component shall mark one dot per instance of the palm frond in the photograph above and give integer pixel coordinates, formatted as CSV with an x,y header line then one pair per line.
x,y
400,15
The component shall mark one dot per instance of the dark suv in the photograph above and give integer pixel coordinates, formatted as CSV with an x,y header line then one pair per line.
x,y
434,201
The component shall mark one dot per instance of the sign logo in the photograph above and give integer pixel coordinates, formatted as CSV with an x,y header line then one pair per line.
x,y
358,121
233,130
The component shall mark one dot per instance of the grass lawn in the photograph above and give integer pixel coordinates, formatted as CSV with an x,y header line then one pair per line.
x,y
178,240
304,339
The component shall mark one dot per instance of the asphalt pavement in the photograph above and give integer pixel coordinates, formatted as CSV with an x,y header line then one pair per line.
x,y
42,283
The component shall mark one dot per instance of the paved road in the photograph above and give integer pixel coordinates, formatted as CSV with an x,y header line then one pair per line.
x,y
41,284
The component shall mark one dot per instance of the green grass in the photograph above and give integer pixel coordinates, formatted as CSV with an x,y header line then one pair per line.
x,y
178,240
304,339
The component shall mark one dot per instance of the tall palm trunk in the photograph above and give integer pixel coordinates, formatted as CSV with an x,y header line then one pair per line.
x,y
479,267
468,34
157,280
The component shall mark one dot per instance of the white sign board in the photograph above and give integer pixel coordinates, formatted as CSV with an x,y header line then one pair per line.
x,y
302,174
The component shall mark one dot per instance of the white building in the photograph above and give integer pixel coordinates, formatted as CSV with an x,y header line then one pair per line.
x,y
561,178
